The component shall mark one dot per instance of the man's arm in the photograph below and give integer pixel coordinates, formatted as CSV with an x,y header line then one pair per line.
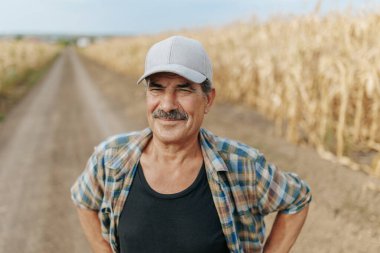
x,y
91,227
285,231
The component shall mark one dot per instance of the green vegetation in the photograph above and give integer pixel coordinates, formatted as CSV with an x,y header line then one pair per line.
x,y
66,42
17,86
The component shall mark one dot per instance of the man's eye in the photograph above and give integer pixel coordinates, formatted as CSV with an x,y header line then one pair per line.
x,y
155,89
186,90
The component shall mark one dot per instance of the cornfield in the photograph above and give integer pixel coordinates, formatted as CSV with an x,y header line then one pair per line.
x,y
316,77
17,57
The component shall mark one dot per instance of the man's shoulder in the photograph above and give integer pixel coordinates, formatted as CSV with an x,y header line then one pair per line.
x,y
230,147
118,141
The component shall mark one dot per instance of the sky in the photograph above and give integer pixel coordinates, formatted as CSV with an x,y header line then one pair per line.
x,y
133,17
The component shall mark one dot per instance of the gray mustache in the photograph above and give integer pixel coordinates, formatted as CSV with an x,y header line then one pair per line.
x,y
171,115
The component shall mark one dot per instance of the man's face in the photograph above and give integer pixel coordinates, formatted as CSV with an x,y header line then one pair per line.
x,y
175,107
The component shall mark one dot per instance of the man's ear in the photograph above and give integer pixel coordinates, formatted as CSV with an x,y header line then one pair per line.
x,y
210,96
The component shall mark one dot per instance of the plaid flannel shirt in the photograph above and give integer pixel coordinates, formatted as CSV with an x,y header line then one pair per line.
x,y
244,186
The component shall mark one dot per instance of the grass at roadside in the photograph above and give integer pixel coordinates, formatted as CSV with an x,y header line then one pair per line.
x,y
17,87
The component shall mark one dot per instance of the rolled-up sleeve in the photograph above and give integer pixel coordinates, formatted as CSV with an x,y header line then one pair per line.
x,y
87,191
279,191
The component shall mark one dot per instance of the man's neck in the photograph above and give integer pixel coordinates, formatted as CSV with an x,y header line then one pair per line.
x,y
173,153
169,167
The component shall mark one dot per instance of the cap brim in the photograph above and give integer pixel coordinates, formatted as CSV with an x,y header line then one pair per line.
x,y
180,70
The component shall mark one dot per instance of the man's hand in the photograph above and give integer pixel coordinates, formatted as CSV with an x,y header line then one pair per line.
x,y
285,231
91,227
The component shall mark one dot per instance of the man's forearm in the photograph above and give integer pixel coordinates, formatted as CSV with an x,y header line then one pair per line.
x,y
285,231
91,227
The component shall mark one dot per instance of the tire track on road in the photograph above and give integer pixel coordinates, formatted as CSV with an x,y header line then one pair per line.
x,y
96,105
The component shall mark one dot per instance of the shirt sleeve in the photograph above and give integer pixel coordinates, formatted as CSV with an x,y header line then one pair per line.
x,y
279,191
87,191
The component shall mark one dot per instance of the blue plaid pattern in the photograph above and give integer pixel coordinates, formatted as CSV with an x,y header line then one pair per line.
x,y
244,186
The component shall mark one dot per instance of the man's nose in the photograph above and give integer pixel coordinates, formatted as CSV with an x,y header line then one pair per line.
x,y
169,102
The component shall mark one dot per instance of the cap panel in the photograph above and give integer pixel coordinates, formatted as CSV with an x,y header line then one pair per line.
x,y
180,55
158,54
188,53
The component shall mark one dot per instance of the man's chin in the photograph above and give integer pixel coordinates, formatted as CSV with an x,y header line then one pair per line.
x,y
169,132
169,139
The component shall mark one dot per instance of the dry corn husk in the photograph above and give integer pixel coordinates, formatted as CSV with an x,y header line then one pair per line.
x,y
316,76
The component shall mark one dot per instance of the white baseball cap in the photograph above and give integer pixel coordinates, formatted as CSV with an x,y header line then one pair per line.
x,y
179,55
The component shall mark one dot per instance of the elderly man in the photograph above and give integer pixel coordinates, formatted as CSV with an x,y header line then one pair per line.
x,y
176,187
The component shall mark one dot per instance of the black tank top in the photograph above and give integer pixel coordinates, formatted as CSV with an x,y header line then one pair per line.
x,y
184,222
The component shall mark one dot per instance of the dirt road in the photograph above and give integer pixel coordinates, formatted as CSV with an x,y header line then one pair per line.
x,y
47,138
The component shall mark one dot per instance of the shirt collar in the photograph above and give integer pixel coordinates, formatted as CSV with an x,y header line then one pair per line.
x,y
129,154
210,150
